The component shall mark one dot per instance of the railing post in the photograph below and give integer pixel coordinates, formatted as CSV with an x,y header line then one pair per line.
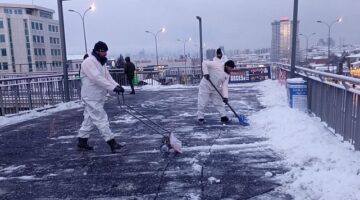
x,y
28,86
61,90
17,98
41,85
2,101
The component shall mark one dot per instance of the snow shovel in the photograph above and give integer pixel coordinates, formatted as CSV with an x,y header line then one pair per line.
x,y
169,142
243,121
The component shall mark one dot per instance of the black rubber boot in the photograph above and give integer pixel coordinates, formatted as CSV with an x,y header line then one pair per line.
x,y
83,145
224,119
114,145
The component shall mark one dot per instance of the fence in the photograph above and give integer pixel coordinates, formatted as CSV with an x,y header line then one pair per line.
x,y
40,89
333,98
19,94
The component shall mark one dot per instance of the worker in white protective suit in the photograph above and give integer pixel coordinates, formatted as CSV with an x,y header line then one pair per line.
x,y
219,56
219,74
96,80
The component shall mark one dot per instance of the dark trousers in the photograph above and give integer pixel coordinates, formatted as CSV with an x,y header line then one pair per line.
x,y
130,78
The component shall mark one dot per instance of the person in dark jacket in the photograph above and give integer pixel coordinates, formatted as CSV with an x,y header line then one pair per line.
x,y
130,72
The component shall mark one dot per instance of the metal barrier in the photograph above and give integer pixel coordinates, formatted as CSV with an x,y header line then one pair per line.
x,y
47,88
333,98
19,94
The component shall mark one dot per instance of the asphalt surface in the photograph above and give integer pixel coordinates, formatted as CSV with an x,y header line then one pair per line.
x,y
39,158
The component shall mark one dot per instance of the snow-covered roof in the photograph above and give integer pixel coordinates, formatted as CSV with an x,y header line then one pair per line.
x,y
354,56
356,63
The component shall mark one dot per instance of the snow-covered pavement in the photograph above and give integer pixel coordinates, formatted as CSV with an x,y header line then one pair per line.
x,y
284,154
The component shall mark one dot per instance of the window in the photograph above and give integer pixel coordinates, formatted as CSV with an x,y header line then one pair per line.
x,y
37,26
3,52
40,25
57,28
34,38
43,52
7,11
45,14
50,28
2,38
1,24
42,39
5,66
33,25
35,52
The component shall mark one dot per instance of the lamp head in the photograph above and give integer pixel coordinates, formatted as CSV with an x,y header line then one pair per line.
x,y
162,30
339,20
92,7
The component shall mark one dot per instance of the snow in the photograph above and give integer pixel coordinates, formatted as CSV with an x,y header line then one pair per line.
x,y
27,115
321,165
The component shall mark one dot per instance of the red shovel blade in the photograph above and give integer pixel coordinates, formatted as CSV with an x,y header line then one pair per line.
x,y
175,143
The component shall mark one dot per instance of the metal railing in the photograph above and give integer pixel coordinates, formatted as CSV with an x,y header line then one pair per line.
x,y
331,97
27,93
36,90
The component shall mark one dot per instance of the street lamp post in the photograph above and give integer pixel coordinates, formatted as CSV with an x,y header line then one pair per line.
x,y
82,16
63,51
307,37
294,39
185,57
329,31
155,37
201,42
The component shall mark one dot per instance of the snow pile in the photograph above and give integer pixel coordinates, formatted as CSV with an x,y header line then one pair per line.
x,y
165,87
47,110
321,165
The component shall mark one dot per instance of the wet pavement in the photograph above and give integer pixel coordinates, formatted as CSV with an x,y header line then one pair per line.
x,y
39,158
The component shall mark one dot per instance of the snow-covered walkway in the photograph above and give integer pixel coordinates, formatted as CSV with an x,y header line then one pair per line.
x,y
284,154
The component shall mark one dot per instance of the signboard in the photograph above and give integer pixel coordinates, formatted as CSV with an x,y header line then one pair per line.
x,y
250,75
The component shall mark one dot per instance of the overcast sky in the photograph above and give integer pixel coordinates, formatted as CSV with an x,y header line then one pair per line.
x,y
235,24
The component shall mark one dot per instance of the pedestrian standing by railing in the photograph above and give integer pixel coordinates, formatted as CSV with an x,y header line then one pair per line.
x,y
129,70
96,80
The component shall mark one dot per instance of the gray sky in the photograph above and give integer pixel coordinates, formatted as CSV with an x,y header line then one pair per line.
x,y
236,24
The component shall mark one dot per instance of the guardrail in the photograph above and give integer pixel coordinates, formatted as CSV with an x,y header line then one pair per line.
x,y
331,97
35,91
27,93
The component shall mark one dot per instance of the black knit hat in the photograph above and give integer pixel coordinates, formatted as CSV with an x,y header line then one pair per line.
x,y
218,51
230,63
100,46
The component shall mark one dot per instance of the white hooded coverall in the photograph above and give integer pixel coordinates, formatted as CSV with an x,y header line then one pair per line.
x,y
96,80
207,92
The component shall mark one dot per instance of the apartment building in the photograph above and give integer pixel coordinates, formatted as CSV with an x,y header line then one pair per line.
x,y
281,41
29,39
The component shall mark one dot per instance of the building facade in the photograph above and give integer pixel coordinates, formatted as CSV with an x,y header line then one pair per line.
x,y
29,39
281,41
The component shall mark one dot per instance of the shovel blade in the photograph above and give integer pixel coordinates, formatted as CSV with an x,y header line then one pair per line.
x,y
175,143
243,121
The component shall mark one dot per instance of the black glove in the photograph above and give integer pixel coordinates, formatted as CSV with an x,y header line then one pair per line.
x,y
207,76
118,89
225,100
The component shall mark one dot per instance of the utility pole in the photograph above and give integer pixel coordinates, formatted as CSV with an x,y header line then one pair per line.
x,y
63,51
294,38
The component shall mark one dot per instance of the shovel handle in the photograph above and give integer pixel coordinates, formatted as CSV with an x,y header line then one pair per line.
x,y
223,98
